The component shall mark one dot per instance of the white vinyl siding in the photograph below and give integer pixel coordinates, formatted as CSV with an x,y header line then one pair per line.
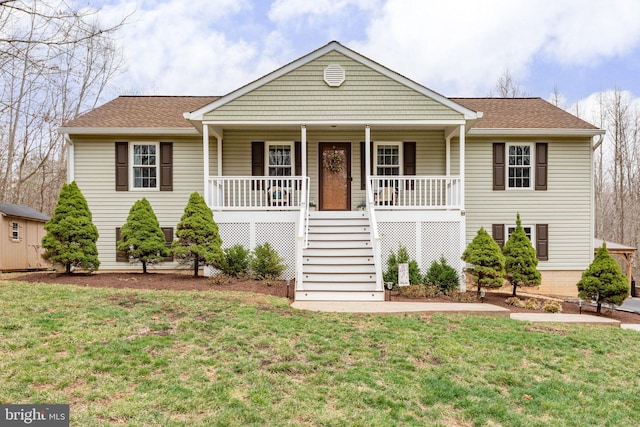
x,y
96,179
302,94
565,206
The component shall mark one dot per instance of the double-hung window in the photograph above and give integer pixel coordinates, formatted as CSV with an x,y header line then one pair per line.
x,y
528,230
15,231
520,166
279,159
144,165
387,159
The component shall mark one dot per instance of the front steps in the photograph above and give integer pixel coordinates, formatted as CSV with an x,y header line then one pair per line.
x,y
338,264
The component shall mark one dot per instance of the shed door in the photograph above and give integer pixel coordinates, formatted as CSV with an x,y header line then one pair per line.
x,y
335,176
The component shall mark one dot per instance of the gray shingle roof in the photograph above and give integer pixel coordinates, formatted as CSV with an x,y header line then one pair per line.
x,y
22,212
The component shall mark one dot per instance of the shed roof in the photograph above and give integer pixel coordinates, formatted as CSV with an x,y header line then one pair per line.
x,y
22,212
522,113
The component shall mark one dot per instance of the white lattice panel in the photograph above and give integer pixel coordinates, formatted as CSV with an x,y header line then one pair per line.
x,y
394,234
282,237
440,239
235,233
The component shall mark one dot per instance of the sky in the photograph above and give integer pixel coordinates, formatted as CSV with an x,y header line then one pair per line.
x,y
458,48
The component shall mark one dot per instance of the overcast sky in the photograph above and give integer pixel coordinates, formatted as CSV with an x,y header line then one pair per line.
x,y
454,47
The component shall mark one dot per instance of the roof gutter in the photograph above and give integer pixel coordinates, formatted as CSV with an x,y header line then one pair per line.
x,y
128,131
536,132
598,143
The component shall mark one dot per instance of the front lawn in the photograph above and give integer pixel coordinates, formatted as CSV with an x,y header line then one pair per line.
x,y
141,357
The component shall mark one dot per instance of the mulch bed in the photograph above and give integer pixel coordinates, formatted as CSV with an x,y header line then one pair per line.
x,y
181,281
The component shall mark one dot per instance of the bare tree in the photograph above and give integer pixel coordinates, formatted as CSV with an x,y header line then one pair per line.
x,y
508,87
55,63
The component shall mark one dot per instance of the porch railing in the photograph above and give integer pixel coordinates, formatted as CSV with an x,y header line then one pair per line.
x,y
260,193
410,192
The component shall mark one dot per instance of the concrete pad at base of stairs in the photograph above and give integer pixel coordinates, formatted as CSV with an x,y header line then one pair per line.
x,y
632,326
565,318
400,307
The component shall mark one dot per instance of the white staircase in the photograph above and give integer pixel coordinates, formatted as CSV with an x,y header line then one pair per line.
x,y
338,264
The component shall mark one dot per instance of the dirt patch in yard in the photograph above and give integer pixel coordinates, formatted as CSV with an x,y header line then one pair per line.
x,y
186,282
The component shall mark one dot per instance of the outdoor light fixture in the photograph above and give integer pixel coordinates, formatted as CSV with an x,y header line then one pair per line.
x,y
288,283
580,302
482,294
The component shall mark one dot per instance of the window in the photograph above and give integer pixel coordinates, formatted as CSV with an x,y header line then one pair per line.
x,y
387,159
15,230
528,230
144,164
519,170
520,166
279,159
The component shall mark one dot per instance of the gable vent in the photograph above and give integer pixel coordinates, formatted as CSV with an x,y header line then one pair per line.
x,y
334,75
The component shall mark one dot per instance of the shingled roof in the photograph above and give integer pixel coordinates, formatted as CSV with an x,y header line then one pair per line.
x,y
167,112
521,113
22,212
142,112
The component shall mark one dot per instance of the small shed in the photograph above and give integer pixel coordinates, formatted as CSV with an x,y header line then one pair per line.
x,y
625,253
21,233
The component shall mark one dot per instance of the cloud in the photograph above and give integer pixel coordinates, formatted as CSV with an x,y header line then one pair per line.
x,y
287,10
462,47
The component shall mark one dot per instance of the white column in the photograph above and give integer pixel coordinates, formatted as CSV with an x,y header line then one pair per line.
x,y
463,218
71,161
219,139
462,172
448,156
205,161
367,154
303,155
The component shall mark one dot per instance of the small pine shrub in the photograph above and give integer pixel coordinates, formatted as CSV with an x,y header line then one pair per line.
x,y
235,261
391,274
515,301
442,275
552,307
413,291
266,263
532,304
431,291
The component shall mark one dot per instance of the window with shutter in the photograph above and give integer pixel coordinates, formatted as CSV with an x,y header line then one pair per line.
x,y
166,166
122,166
542,242
257,161
520,166
497,231
409,161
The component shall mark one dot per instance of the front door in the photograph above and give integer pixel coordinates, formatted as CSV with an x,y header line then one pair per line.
x,y
335,176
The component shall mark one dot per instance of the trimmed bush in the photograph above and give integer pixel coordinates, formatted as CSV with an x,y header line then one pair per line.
x,y
520,259
515,301
487,259
413,291
142,239
235,261
532,304
552,307
443,276
266,263
603,281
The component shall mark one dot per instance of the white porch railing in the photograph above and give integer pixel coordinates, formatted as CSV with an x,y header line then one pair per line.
x,y
375,239
260,193
411,192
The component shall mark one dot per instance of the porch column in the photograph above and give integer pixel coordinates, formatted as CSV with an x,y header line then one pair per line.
x,y
219,145
205,162
367,158
463,219
303,154
448,155
462,173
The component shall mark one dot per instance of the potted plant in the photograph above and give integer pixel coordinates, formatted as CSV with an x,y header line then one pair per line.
x,y
362,206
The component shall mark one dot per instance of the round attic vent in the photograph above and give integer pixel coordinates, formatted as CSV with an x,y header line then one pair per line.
x,y
334,75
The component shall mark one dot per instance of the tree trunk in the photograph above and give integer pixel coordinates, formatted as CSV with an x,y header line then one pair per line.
x,y
514,290
68,268
196,266
598,307
144,267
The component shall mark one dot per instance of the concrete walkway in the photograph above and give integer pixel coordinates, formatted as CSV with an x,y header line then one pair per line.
x,y
400,307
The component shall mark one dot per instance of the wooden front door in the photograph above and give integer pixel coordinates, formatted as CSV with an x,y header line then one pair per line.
x,y
335,176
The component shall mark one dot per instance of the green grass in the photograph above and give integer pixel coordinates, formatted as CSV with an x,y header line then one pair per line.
x,y
125,357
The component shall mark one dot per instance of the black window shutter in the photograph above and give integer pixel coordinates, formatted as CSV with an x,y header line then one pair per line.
x,y
541,165
497,230
166,166
168,238
120,256
409,161
498,165
542,242
257,161
122,166
298,158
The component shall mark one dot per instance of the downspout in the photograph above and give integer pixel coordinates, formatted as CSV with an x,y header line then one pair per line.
x,y
594,147
205,164
71,171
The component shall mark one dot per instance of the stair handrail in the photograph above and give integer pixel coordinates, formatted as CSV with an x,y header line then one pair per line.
x,y
375,236
303,230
